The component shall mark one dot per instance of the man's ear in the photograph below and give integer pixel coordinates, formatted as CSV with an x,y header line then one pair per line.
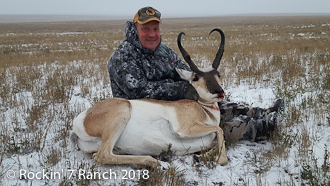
x,y
184,74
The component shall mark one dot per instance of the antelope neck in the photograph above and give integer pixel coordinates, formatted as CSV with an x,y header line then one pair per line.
x,y
213,106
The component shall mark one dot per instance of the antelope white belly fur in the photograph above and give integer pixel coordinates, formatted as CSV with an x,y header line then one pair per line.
x,y
150,134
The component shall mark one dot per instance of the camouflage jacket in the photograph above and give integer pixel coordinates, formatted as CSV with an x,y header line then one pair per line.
x,y
137,72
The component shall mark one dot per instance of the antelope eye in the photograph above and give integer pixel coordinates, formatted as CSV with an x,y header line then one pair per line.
x,y
195,78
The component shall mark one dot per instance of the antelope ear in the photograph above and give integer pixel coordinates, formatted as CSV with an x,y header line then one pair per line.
x,y
184,74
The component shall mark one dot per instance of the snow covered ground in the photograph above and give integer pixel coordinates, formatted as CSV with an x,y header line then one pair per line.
x,y
36,117
248,163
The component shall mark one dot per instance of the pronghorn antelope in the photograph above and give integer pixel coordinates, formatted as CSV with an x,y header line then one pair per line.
x,y
145,127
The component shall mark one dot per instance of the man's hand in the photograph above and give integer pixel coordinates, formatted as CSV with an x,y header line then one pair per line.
x,y
190,92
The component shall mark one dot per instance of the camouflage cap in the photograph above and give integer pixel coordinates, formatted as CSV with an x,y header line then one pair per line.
x,y
147,14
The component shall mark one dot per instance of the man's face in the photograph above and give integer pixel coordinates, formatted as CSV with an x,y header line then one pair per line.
x,y
149,34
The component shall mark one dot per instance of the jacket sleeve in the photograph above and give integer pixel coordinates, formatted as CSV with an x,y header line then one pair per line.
x,y
129,77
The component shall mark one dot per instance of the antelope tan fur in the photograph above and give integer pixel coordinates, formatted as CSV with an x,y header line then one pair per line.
x,y
120,131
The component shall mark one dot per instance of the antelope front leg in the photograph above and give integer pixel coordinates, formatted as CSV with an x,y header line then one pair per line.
x,y
223,159
200,130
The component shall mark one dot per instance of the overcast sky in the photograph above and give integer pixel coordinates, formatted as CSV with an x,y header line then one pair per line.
x,y
168,8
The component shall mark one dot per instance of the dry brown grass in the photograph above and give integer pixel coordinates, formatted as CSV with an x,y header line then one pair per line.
x,y
44,65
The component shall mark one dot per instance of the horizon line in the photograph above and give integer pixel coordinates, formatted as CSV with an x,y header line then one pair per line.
x,y
25,18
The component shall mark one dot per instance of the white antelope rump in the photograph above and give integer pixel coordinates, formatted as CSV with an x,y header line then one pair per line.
x,y
145,127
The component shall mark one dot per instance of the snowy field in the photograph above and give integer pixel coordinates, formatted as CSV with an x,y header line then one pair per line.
x,y
63,73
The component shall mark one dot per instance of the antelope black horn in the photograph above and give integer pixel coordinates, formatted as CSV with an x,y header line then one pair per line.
x,y
186,56
221,49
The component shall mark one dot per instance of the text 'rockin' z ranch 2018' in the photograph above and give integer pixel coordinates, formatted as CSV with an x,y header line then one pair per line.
x,y
83,174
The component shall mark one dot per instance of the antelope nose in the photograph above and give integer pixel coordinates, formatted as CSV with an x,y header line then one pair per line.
x,y
221,94
219,91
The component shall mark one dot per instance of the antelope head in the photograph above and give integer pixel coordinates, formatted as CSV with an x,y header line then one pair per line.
x,y
206,82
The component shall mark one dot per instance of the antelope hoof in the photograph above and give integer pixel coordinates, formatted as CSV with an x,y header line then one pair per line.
x,y
97,158
153,163
223,161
